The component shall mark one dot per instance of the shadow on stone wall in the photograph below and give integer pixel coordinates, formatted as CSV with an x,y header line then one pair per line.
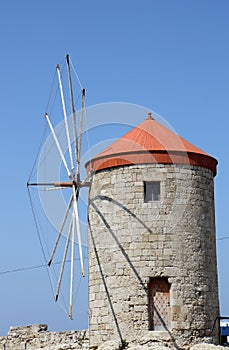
x,y
109,229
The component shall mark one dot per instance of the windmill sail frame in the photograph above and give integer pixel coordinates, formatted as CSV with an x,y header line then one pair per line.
x,y
74,182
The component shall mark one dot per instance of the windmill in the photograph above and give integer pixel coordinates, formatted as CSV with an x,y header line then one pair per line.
x,y
150,193
71,161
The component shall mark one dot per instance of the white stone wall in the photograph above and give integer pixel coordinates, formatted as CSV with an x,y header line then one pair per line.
x,y
131,241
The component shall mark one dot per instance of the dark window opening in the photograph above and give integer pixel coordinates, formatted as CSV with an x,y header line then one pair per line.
x,y
152,191
159,304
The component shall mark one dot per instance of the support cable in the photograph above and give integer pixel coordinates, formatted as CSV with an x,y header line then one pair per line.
x,y
44,256
222,238
40,240
77,77
34,267
38,153
61,231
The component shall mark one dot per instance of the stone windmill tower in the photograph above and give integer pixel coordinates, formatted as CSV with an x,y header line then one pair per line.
x,y
152,254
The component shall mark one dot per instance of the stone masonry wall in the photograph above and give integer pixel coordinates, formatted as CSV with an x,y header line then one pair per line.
x,y
131,241
37,337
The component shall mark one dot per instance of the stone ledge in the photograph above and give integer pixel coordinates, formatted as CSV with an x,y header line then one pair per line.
x,y
31,329
158,336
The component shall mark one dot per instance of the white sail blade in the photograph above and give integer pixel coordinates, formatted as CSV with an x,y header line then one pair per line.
x,y
72,265
73,112
58,146
65,119
75,207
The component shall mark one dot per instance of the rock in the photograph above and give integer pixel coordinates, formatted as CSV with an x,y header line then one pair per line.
x,y
148,347
204,346
110,345
31,329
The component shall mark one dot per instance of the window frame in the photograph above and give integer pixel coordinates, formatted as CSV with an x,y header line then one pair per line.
x,y
154,193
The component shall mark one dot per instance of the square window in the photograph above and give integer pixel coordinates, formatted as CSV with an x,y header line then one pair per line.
x,y
152,191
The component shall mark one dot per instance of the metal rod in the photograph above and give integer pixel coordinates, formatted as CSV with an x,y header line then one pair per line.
x,y
73,112
63,184
40,184
63,262
61,230
58,146
55,184
85,184
72,265
87,181
65,119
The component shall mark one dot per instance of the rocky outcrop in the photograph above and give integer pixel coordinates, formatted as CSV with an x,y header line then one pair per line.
x,y
37,337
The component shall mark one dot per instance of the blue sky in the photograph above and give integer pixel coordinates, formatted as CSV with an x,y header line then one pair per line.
x,y
171,56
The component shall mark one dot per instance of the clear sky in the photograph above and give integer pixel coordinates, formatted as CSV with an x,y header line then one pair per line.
x,y
171,56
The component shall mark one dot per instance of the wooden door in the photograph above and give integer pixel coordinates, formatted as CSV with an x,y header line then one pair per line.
x,y
159,304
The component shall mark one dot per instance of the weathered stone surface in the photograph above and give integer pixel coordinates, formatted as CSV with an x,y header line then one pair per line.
x,y
115,345
26,330
37,337
148,347
131,241
110,345
203,346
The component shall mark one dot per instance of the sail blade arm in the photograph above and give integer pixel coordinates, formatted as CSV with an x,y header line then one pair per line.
x,y
73,112
72,266
61,230
58,146
81,132
65,120
75,208
63,262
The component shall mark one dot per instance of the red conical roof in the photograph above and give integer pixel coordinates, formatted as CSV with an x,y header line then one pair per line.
x,y
149,143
